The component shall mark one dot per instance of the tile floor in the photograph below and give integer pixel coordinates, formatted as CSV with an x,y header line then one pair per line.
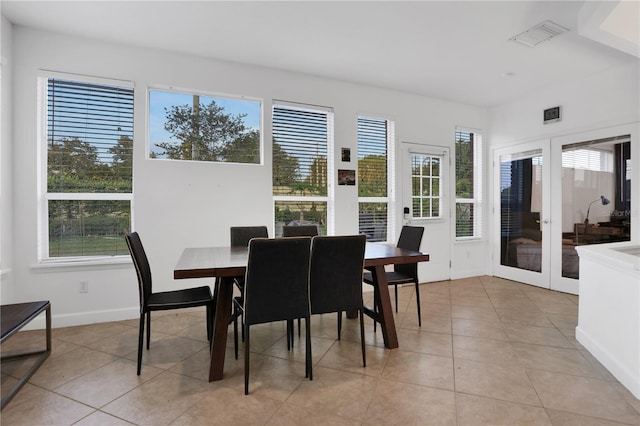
x,y
490,351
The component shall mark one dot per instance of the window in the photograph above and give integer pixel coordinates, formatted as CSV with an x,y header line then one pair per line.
x,y
375,137
204,128
468,147
88,167
426,191
302,140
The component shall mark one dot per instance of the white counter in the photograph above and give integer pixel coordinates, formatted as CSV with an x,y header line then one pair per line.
x,y
609,308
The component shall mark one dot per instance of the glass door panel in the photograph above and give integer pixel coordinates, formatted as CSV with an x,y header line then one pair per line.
x,y
596,196
521,213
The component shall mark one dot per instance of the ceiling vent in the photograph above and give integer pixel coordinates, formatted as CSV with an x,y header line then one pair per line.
x,y
541,32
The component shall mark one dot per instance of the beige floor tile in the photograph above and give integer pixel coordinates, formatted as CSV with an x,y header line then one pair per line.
x,y
319,346
434,297
65,368
291,415
226,406
36,406
23,342
537,318
479,301
167,352
175,321
419,369
124,343
433,308
337,392
87,334
430,322
158,401
269,377
511,300
107,383
347,356
562,418
485,350
563,320
404,404
475,328
425,342
507,383
98,418
474,410
484,314
550,358
537,335
582,395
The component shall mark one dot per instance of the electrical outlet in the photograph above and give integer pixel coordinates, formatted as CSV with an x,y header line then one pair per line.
x,y
84,286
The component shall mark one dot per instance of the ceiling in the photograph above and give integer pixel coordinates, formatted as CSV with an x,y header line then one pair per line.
x,y
454,50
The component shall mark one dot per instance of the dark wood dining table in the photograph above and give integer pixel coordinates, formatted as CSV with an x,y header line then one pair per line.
x,y
225,263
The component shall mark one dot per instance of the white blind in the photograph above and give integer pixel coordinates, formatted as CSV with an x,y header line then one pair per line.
x,y
299,151
89,137
372,177
468,164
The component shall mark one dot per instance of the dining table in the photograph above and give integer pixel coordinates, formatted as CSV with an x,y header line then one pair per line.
x,y
225,263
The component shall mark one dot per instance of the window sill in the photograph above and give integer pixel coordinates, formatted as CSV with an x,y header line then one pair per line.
x,y
470,240
115,262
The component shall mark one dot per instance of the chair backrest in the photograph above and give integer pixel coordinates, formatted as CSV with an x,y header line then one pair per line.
x,y
410,239
277,279
141,263
240,235
300,231
337,264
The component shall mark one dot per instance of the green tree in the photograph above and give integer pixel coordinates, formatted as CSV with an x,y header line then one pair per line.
x,y
372,174
207,133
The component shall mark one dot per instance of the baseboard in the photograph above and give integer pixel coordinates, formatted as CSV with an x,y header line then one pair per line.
x,y
610,362
84,318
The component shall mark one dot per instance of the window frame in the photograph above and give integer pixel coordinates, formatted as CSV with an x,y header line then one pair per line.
x,y
331,170
208,94
440,195
478,177
389,199
44,196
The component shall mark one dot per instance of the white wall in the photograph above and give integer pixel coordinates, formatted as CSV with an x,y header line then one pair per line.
x,y
182,204
6,170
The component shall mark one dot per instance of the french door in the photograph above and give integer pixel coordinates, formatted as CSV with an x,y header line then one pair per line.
x,y
425,189
522,214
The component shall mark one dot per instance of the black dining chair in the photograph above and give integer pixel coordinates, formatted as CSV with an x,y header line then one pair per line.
x,y
276,288
240,236
297,231
300,231
335,279
162,301
410,239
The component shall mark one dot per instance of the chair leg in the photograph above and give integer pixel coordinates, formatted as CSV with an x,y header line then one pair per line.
x,y
209,322
364,353
140,340
289,335
246,359
148,329
308,349
395,288
235,336
339,324
418,300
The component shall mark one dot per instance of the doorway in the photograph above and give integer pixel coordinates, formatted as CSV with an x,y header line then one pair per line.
x,y
425,189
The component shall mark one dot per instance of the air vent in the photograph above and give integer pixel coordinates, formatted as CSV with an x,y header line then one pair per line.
x,y
541,32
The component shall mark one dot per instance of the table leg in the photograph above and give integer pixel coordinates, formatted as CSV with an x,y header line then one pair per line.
x,y
385,310
220,325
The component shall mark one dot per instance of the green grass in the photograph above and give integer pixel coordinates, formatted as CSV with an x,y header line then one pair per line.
x,y
87,246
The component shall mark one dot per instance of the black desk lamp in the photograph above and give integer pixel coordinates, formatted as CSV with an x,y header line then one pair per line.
x,y
602,199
